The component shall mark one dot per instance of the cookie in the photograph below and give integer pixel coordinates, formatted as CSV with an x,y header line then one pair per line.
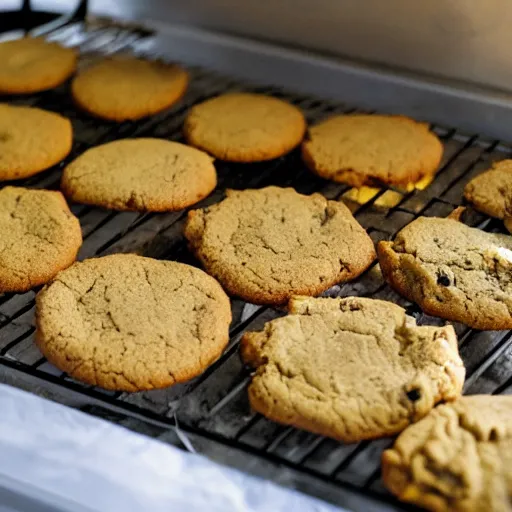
x,y
140,174
452,271
372,149
350,368
508,215
39,236
243,127
129,323
31,141
269,244
31,65
458,458
127,88
488,192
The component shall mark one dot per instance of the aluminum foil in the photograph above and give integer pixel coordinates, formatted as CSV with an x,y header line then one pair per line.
x,y
56,458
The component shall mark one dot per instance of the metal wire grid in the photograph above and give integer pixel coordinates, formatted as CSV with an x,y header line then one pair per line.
x,y
215,403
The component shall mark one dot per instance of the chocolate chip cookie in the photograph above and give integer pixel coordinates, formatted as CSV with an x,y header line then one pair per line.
x,y
350,368
452,271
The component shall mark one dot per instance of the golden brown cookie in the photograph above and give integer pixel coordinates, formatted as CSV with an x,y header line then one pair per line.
x,y
372,149
350,368
31,141
127,88
508,216
129,323
243,127
39,236
32,64
490,191
269,244
457,459
452,271
140,174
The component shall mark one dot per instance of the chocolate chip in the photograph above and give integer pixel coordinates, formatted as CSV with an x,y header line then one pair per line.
x,y
350,306
443,280
414,395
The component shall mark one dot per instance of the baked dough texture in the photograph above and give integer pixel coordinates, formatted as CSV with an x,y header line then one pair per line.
x,y
452,271
244,127
457,459
508,216
140,174
31,141
129,323
31,65
372,149
269,244
128,88
350,368
39,236
490,191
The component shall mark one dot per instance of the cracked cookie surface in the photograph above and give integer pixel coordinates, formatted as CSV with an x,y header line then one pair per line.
x,y
127,88
32,64
458,458
31,141
269,244
129,323
452,271
140,174
244,127
367,150
39,236
350,368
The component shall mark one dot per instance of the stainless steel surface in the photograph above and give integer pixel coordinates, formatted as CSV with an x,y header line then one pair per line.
x,y
467,40
471,108
468,100
213,409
